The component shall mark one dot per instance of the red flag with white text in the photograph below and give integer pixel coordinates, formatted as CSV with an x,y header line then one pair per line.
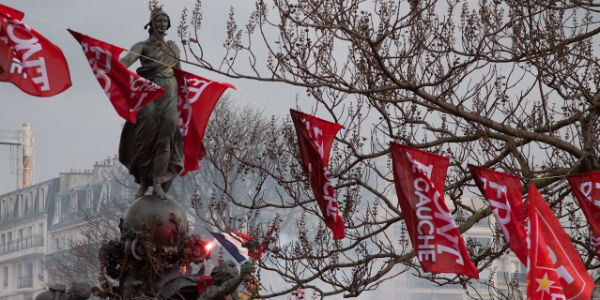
x,y
127,91
419,177
503,193
196,99
555,270
29,60
586,187
315,137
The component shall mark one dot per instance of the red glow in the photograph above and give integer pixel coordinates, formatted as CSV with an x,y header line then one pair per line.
x,y
208,247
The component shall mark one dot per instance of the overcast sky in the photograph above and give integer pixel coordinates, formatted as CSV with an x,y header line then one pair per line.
x,y
78,127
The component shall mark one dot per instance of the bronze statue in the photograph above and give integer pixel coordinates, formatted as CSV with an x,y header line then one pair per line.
x,y
226,279
152,147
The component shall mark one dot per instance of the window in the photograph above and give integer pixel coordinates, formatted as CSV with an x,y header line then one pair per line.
x,y
36,203
501,266
16,210
42,198
26,206
5,283
514,267
29,275
57,242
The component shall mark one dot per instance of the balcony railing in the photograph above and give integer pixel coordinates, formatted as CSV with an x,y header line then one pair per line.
x,y
24,282
10,218
26,243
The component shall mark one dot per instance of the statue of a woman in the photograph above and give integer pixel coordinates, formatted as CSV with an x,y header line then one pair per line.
x,y
152,147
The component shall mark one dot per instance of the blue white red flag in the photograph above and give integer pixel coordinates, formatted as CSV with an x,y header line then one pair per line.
x,y
233,246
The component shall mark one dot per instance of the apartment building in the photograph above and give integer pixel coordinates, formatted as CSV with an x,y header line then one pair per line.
x,y
41,220
24,239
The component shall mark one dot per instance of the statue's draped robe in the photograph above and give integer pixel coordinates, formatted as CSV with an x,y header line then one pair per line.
x,y
152,147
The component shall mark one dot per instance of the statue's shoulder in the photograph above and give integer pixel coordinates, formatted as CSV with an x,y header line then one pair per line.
x,y
138,47
172,45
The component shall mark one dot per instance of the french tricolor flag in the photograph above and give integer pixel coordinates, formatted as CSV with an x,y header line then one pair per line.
x,y
232,245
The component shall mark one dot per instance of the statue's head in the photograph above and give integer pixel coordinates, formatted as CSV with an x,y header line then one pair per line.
x,y
159,21
224,272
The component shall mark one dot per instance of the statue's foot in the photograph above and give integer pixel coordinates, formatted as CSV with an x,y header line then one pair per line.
x,y
142,190
158,190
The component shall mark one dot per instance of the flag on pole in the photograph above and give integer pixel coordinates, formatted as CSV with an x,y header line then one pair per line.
x,y
233,246
419,177
127,91
5,57
29,60
586,187
554,269
315,137
196,99
503,193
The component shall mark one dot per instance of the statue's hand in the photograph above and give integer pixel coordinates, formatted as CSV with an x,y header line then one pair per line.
x,y
246,269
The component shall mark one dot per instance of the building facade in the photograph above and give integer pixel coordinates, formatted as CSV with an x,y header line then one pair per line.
x,y
24,240
41,221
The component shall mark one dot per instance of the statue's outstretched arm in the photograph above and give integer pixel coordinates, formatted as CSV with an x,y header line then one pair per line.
x,y
220,291
132,55
229,286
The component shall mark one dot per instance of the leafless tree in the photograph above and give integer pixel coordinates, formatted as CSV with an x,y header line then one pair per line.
x,y
78,260
508,85
220,177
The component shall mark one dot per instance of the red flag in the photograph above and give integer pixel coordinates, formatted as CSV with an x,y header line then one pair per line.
x,y
248,242
30,61
5,57
254,249
127,91
315,137
555,270
503,192
267,239
586,187
419,177
196,99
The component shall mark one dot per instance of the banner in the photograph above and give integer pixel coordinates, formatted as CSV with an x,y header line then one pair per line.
x,y
196,99
315,137
127,91
5,57
555,270
28,60
503,193
586,187
233,246
419,177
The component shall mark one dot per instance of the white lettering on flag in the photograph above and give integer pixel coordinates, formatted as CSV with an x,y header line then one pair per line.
x,y
332,211
586,189
422,186
30,44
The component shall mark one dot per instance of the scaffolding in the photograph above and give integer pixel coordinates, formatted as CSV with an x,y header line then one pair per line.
x,y
21,144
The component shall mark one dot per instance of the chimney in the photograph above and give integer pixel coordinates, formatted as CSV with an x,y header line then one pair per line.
x,y
26,135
